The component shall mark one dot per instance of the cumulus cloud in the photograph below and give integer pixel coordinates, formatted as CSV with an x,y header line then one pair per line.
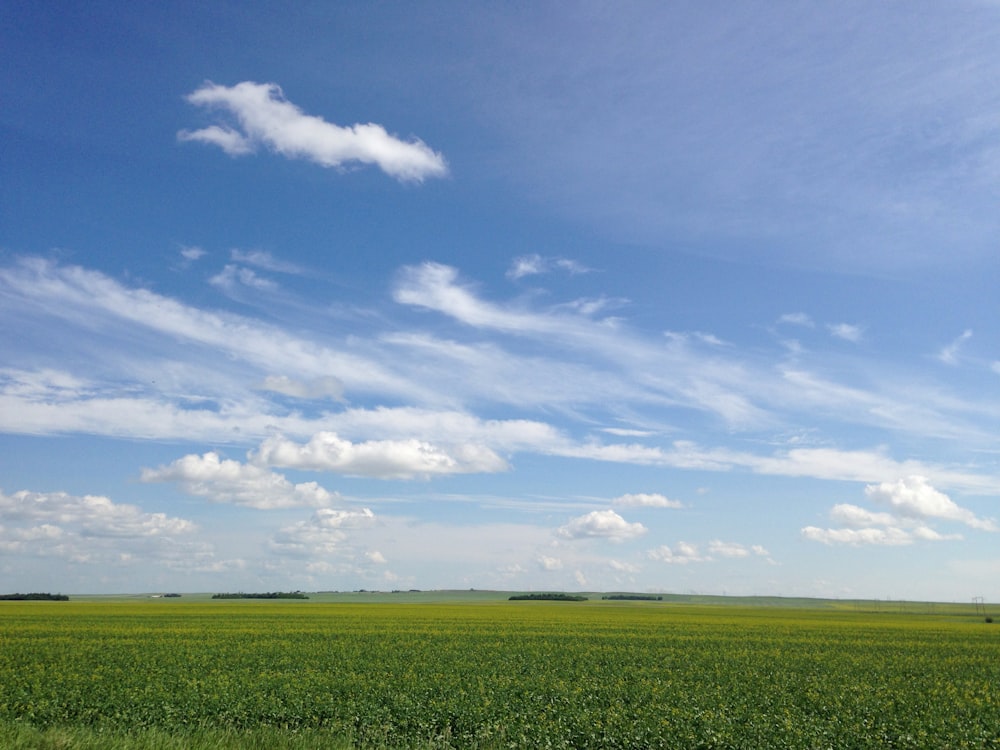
x,y
727,549
646,500
912,503
914,497
263,117
681,553
624,567
603,524
93,515
889,536
94,529
386,459
549,563
857,517
324,534
228,481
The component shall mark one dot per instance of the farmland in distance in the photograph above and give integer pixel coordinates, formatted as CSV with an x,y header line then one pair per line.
x,y
474,670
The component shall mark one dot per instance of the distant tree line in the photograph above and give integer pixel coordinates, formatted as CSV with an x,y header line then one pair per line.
x,y
547,598
633,597
36,597
269,595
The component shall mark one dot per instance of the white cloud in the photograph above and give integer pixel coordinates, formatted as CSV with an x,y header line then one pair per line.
x,y
949,354
684,337
92,515
531,265
798,319
846,331
888,536
911,501
263,259
324,534
229,140
265,117
604,524
727,549
217,362
646,500
228,481
328,387
387,459
682,553
859,518
626,432
192,253
625,567
550,563
232,276
92,529
590,307
526,265
90,299
914,497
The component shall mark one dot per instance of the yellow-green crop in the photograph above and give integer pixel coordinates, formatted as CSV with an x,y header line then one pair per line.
x,y
505,674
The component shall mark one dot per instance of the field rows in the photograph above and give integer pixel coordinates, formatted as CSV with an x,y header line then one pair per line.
x,y
529,674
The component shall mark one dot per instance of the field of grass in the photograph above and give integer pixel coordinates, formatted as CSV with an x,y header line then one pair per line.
x,y
469,669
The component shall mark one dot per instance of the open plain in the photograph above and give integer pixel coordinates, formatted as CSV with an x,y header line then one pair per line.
x,y
471,669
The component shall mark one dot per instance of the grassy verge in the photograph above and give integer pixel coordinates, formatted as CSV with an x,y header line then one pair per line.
x,y
21,737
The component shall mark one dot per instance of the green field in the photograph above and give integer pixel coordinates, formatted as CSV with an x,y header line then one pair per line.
x,y
470,669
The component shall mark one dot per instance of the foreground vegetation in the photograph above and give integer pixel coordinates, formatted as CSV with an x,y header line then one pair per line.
x,y
493,674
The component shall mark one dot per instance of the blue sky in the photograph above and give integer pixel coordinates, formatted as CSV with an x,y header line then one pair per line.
x,y
682,297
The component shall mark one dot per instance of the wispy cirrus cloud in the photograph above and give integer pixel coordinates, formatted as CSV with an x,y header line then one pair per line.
x,y
949,354
846,331
265,260
206,374
534,264
263,117
797,319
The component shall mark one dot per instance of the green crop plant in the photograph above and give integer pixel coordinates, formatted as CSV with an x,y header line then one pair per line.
x,y
494,674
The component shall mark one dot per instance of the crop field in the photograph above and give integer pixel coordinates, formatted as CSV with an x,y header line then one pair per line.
x,y
492,674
